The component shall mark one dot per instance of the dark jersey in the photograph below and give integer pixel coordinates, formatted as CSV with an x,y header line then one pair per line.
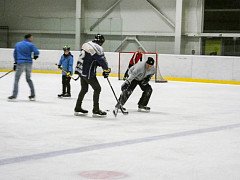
x,y
90,58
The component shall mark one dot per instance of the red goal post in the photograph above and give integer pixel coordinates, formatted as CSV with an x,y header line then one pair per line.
x,y
124,58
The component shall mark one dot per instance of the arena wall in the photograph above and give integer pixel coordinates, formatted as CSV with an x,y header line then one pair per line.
x,y
172,67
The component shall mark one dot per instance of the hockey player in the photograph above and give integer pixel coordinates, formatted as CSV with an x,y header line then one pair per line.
x,y
140,74
23,62
135,58
91,56
66,63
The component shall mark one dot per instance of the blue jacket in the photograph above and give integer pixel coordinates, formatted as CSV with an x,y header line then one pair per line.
x,y
66,62
91,57
23,52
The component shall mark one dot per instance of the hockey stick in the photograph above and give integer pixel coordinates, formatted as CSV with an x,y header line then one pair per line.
x,y
124,112
68,75
6,73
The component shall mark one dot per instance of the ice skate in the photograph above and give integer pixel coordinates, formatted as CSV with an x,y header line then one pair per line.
x,y
81,112
117,107
60,95
12,98
99,113
31,98
64,95
123,110
143,108
67,95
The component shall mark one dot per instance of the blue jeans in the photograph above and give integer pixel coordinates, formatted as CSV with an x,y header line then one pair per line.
x,y
27,67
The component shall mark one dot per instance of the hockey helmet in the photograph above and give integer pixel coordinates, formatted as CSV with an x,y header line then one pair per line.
x,y
150,61
66,48
99,39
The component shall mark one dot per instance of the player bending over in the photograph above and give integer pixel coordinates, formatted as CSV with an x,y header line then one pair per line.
x,y
139,74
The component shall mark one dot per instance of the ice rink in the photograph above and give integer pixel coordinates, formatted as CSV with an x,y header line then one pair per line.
x,y
191,133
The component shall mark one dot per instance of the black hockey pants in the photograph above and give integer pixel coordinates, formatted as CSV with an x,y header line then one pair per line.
x,y
66,87
147,92
84,89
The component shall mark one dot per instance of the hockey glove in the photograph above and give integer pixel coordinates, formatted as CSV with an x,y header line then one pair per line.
x,y
78,68
126,75
15,66
35,57
68,74
76,72
106,72
125,85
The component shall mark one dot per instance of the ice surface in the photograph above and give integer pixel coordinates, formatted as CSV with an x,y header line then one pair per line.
x,y
192,132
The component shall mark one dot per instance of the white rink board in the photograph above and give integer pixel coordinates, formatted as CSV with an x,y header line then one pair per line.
x,y
175,66
186,66
48,58
236,69
201,67
210,68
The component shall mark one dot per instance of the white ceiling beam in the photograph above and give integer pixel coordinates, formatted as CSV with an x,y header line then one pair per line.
x,y
140,44
212,35
127,40
126,33
107,12
167,20
123,43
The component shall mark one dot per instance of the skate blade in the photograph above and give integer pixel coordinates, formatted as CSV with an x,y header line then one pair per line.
x,y
143,110
98,116
32,99
125,112
66,98
80,114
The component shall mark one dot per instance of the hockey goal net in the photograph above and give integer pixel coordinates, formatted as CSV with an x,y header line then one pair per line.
x,y
124,58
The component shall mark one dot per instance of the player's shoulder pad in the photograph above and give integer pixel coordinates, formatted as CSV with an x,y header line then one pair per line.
x,y
92,48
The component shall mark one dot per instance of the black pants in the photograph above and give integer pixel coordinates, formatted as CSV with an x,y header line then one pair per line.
x,y
147,92
66,87
84,89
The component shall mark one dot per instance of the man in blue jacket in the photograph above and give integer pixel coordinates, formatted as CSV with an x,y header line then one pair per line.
x,y
91,56
24,52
